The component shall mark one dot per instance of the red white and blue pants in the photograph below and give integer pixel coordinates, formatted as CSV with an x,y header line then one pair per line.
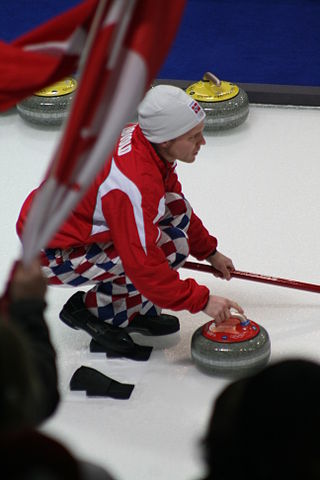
x,y
113,298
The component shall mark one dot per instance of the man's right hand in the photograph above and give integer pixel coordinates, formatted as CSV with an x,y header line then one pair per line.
x,y
218,308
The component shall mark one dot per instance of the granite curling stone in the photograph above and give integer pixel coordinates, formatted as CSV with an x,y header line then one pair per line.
x,y
237,348
49,106
226,105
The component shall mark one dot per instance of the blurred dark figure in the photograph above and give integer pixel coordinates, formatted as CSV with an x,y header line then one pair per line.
x,y
28,372
267,426
29,386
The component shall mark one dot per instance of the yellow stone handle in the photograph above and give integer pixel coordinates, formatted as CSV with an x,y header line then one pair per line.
x,y
212,78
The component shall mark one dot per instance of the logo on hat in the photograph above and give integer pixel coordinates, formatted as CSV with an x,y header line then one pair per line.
x,y
195,107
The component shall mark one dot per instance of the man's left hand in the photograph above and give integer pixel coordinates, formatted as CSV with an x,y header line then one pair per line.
x,y
222,264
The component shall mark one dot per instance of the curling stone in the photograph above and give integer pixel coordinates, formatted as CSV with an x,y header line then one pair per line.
x,y
226,105
50,106
237,348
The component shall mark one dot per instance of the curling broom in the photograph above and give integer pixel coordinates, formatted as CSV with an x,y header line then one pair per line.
x,y
255,277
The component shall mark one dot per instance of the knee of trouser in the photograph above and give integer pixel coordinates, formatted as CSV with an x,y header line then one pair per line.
x,y
182,245
177,211
175,245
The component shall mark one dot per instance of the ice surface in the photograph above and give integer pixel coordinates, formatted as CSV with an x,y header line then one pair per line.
x,y
257,189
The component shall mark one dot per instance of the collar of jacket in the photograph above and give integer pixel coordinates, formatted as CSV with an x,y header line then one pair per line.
x,y
165,167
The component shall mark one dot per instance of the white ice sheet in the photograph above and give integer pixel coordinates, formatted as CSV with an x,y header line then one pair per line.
x,y
257,189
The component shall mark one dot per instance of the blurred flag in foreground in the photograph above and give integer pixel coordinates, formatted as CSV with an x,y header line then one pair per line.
x,y
118,46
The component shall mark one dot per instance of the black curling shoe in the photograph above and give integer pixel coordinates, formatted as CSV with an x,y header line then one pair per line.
x,y
159,325
76,315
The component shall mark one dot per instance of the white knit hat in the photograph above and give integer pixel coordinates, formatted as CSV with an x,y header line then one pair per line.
x,y
166,112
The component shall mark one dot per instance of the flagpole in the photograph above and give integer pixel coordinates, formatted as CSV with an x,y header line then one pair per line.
x,y
95,124
63,200
95,25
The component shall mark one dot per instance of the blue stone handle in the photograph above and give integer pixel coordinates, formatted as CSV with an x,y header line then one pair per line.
x,y
244,322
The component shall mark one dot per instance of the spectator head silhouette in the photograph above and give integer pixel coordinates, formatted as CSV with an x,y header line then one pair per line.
x,y
267,426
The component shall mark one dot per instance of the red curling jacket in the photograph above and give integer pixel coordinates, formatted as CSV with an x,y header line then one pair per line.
x,y
123,206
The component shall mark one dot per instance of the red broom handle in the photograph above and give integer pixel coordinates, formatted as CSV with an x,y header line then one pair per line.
x,y
255,277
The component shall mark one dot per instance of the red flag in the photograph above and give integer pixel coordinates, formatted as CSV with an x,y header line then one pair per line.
x,y
44,55
129,41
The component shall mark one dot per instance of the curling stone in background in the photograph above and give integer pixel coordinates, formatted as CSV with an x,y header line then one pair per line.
x,y
50,106
226,105
237,348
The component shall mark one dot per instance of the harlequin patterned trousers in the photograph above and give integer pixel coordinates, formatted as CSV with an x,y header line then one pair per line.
x,y
113,298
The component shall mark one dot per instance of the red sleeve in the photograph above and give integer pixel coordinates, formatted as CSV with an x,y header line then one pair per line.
x,y
202,244
24,213
144,262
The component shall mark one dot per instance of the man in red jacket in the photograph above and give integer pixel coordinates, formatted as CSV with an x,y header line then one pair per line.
x,y
134,229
